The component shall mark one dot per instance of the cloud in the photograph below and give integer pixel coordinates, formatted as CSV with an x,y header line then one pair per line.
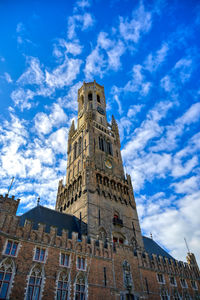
x,y
8,77
152,62
63,47
186,186
21,98
82,22
134,109
58,139
132,30
169,140
104,57
34,74
64,74
44,123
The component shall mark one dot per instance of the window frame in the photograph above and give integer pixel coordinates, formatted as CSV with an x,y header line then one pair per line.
x,y
79,266
11,248
161,282
35,253
69,260
7,266
173,284
184,286
195,283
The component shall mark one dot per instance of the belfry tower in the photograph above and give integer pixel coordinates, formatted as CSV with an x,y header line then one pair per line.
x,y
97,191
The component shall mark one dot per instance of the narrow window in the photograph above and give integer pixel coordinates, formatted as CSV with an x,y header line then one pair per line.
x,y
172,280
11,248
147,286
133,228
194,284
99,217
81,265
39,254
79,146
64,259
98,99
75,150
160,278
105,279
90,96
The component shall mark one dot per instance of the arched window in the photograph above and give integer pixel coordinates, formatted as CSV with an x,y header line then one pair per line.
x,y
98,99
79,146
63,284
35,283
75,150
7,272
90,96
101,143
80,289
109,148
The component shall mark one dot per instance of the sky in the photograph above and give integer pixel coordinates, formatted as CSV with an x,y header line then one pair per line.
x,y
146,54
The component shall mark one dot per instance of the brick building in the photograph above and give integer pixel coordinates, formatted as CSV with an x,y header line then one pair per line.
x,y
91,246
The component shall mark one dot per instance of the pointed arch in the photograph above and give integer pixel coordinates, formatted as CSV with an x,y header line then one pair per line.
x,y
7,273
80,288
102,234
63,285
35,283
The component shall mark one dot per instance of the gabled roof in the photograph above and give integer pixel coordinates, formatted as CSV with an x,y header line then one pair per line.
x,y
50,217
152,247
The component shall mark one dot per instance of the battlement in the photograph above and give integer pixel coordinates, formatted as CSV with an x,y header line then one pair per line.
x,y
8,204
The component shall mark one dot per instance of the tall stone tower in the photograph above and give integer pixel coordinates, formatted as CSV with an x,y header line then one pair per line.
x,y
97,191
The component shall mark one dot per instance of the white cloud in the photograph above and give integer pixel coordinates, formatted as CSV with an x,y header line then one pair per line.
x,y
21,98
169,141
138,25
114,56
82,22
152,62
69,47
64,74
95,64
42,123
58,140
167,84
186,186
134,109
34,74
8,77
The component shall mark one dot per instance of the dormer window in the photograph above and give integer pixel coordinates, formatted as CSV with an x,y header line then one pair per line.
x,y
90,96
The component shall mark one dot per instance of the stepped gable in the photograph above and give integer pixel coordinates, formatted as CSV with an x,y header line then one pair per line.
x,y
50,217
152,247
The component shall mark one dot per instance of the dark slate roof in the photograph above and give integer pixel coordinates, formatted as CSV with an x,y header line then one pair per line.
x,y
50,217
152,247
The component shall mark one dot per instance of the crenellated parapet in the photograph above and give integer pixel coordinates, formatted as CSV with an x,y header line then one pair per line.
x,y
165,265
65,241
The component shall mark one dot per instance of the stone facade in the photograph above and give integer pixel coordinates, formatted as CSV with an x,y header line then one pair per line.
x,y
91,246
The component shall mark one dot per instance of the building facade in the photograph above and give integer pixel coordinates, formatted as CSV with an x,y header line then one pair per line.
x,y
91,246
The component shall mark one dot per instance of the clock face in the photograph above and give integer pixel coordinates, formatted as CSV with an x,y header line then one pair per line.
x,y
108,164
100,110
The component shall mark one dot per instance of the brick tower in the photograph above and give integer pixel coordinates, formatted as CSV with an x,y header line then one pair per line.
x,y
97,191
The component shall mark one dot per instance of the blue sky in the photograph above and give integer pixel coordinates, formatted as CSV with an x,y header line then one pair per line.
x,y
146,54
